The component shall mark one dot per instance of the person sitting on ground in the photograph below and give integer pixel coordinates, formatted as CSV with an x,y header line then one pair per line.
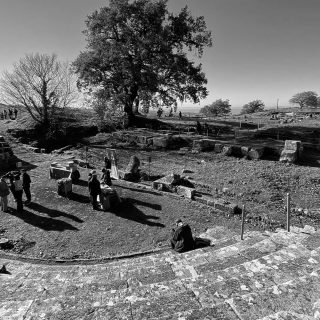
x,y
106,179
181,238
4,192
94,190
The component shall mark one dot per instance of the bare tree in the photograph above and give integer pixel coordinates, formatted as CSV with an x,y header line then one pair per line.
x,y
41,84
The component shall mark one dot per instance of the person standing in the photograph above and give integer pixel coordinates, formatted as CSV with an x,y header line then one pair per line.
x,y
4,192
26,181
5,113
94,190
18,190
15,111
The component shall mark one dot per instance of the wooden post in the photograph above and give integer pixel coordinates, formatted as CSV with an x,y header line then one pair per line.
x,y
149,160
288,212
242,221
86,155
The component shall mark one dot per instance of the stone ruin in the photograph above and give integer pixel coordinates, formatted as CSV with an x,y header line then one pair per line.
x,y
132,172
181,186
7,158
291,152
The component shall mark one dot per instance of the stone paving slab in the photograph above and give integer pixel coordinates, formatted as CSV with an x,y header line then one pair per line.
x,y
266,276
297,296
285,315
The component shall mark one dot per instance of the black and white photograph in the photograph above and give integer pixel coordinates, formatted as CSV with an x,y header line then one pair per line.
x,y
159,159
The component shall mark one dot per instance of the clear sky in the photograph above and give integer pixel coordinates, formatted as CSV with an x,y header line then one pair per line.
x,y
263,49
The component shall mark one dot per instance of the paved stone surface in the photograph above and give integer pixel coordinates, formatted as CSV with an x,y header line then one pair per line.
x,y
267,276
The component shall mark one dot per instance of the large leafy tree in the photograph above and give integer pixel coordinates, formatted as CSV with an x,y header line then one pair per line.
x,y
252,107
305,99
40,83
137,54
217,108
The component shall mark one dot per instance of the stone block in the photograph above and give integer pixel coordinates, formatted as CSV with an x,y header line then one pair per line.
x,y
218,147
186,192
227,150
59,173
203,144
245,151
289,156
160,142
36,150
226,206
256,153
292,145
166,183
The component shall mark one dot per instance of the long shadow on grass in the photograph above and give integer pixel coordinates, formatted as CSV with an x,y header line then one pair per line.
x,y
52,212
79,197
140,190
82,183
127,210
145,204
47,224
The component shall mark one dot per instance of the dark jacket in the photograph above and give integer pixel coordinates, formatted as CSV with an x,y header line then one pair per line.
x,y
26,181
181,239
94,186
4,189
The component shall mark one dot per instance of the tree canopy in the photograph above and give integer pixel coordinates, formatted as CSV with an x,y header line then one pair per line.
x,y
217,108
41,84
252,107
305,99
137,55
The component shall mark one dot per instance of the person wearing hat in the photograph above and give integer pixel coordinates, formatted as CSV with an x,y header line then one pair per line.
x,y
26,181
4,192
94,189
181,238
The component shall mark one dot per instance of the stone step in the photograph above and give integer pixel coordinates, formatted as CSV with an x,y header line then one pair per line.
x,y
300,296
288,315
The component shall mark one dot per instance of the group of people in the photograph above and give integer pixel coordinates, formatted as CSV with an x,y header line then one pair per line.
x,y
10,114
17,183
94,184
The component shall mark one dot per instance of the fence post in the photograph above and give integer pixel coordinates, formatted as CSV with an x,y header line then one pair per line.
x,y
288,212
242,221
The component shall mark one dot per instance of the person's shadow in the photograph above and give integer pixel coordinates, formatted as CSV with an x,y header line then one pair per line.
x,y
53,212
127,210
44,223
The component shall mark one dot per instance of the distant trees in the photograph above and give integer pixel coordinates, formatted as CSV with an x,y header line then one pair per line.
x,y
305,99
137,55
217,108
41,84
252,107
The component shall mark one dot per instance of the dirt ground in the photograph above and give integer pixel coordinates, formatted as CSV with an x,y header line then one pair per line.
x,y
56,227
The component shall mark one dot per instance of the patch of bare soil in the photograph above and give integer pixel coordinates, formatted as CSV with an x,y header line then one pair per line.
x,y
56,227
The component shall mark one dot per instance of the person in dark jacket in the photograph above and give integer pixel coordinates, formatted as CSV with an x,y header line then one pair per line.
x,y
4,192
106,179
26,181
181,238
18,190
94,190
